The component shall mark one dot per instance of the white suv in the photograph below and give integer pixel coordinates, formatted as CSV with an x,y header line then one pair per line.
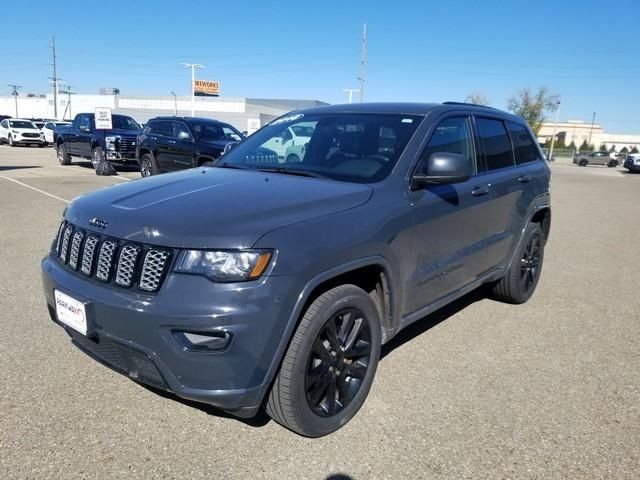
x,y
291,145
16,131
632,162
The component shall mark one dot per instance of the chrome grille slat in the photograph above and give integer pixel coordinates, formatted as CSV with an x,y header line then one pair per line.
x,y
127,261
153,268
88,254
109,260
76,241
64,247
105,260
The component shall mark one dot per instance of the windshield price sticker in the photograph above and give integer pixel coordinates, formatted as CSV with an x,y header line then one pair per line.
x,y
103,118
288,119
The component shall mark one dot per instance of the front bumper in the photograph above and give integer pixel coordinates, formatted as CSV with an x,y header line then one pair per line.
x,y
26,140
135,333
121,157
631,166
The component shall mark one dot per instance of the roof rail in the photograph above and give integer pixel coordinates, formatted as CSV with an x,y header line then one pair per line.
x,y
468,104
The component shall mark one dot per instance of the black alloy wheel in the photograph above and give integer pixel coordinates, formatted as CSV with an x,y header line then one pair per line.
x,y
530,262
338,362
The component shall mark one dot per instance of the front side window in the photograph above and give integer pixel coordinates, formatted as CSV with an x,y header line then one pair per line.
x,y
162,127
452,135
182,131
205,130
342,146
523,145
84,122
495,142
5,124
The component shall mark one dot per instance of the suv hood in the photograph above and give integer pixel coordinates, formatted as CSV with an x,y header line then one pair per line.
x,y
25,130
211,207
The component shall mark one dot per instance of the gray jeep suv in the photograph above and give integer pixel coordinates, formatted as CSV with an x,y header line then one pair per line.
x,y
265,283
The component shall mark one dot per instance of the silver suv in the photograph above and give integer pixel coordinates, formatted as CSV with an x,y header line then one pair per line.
x,y
594,158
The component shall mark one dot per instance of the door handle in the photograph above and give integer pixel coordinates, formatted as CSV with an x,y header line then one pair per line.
x,y
524,178
171,141
481,190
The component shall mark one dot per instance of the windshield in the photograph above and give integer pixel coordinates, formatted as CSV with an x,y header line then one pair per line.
x,y
39,124
21,124
121,122
215,131
361,148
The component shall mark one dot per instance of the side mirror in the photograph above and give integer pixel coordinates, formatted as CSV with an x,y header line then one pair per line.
x,y
442,168
184,136
245,134
229,146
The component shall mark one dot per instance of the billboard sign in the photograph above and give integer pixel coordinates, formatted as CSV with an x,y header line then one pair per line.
x,y
206,87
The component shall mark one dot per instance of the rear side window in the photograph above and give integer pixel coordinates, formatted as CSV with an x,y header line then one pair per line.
x,y
495,142
452,135
162,127
523,145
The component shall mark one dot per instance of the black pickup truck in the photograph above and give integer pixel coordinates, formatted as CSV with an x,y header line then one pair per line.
x,y
81,139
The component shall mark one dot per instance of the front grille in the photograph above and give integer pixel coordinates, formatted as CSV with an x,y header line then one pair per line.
x,y
31,135
131,362
128,265
127,146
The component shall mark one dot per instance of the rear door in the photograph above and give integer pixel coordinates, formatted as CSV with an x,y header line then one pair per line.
x,y
449,231
161,133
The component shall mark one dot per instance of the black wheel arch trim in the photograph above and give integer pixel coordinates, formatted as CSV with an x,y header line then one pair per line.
x,y
541,202
303,297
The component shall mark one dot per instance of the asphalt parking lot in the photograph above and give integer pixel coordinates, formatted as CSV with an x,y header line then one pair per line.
x,y
549,389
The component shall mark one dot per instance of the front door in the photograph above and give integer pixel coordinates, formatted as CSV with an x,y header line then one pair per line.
x,y
449,229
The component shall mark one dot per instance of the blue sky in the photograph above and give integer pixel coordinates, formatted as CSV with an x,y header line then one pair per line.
x,y
586,51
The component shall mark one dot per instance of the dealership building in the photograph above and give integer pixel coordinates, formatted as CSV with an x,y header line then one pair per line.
x,y
577,131
246,114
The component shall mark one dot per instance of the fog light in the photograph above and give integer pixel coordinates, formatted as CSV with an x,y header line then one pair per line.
x,y
215,341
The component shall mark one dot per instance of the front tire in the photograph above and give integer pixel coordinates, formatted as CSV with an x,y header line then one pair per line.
x,y
97,156
612,163
328,369
63,157
11,142
583,163
520,280
148,165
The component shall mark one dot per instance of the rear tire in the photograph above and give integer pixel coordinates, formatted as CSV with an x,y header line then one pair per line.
x,y
612,163
63,157
520,280
148,165
583,163
328,369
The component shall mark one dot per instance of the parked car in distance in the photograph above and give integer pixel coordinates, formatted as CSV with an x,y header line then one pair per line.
x,y
81,139
17,131
291,145
49,127
632,162
583,159
167,144
256,283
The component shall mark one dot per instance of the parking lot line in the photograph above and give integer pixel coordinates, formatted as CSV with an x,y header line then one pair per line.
x,y
36,189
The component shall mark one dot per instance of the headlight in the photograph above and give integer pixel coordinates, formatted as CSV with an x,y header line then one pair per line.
x,y
15,132
110,142
224,266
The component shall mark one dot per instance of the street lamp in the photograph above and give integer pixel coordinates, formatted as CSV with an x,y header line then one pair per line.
x,y
555,127
350,91
193,67
175,104
593,120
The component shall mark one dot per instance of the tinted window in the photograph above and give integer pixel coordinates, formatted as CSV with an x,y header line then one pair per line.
x,y
523,145
124,123
452,135
208,130
182,128
84,121
21,124
495,143
5,124
161,127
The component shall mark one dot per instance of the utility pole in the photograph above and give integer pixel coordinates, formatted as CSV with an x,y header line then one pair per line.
x,y
193,67
363,62
68,107
14,92
350,92
555,127
175,104
55,78
593,120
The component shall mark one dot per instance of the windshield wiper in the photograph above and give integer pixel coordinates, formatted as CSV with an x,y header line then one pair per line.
x,y
289,171
237,166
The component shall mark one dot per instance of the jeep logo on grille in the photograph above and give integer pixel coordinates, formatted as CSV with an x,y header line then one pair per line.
x,y
97,222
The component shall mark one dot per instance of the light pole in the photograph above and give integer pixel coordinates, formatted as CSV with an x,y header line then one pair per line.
x,y
593,120
175,104
193,67
555,127
351,91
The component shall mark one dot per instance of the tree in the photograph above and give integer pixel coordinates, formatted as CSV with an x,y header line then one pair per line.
x,y
533,106
584,147
572,145
612,149
603,148
477,98
634,150
624,150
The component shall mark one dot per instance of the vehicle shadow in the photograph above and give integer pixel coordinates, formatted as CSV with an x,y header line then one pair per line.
x,y
4,168
412,331
119,168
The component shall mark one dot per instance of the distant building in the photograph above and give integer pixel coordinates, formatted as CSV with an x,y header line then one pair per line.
x,y
578,131
246,114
